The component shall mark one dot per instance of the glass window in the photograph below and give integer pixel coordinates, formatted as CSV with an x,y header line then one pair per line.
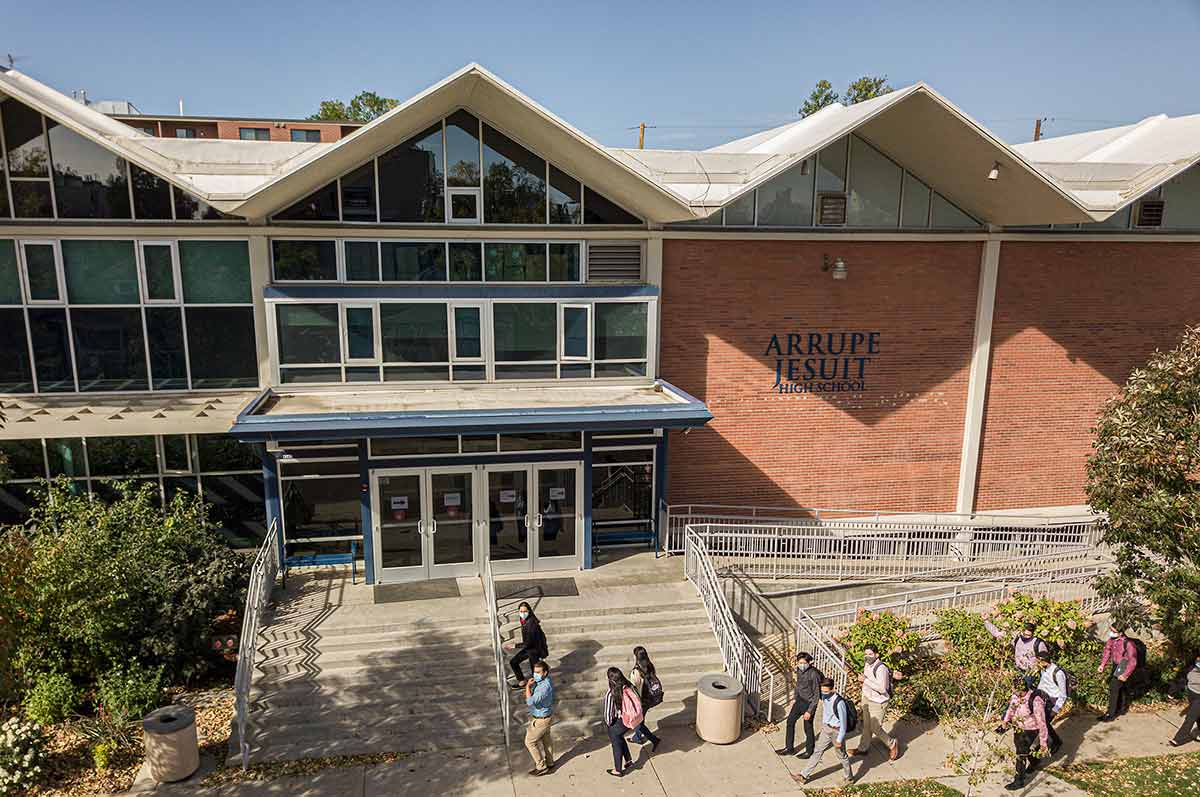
x,y
464,206
566,198
945,214
100,272
405,261
620,331
620,369
31,199
416,373
221,347
10,281
916,203
414,333
218,452
468,333
24,458
175,453
308,333
514,181
874,199
369,374
478,443
831,168
541,441
65,456
185,132
110,350
215,272
740,213
466,262
360,333
26,141
306,136
122,456
305,260
598,209
5,211
254,134
237,507
89,181
410,179
320,205
564,262
290,376
151,195
362,261
525,331
515,262
51,350
16,372
462,150
159,265
409,446
787,200
575,332
164,334
312,507
41,272
1181,195
189,208
575,371
358,193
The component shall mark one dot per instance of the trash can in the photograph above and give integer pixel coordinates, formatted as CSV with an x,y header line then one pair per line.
x,y
172,749
720,702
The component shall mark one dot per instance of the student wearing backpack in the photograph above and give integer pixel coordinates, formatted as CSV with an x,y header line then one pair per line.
x,y
622,712
533,645
1025,644
877,694
838,718
804,704
649,688
1054,684
1026,715
1122,654
1189,731
539,696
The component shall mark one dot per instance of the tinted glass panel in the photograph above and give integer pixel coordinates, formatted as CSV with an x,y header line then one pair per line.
x,y
514,182
525,331
26,142
65,456
109,349
16,373
468,332
237,508
620,369
360,333
410,180
10,281
320,205
462,149
24,458
168,363
464,207
874,199
598,209
564,262
831,167
215,272
5,211
566,198
620,330
526,371
484,443
312,507
31,199
544,441
416,373
916,203
575,332
370,374
218,452
89,181
413,262
41,272
305,260
407,446
221,347
51,350
945,214
122,456
308,333
466,262
160,272
290,376
254,134
175,453
515,262
100,272
575,371
189,208
151,195
362,261
358,193
741,211
414,333
787,200
17,501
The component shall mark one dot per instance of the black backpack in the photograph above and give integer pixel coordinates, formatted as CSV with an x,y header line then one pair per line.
x,y
652,691
1072,681
851,713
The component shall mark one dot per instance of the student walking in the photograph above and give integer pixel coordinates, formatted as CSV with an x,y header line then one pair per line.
x,y
1121,654
877,694
645,682
1190,729
622,712
539,696
1054,686
1026,715
1025,644
805,702
533,645
837,719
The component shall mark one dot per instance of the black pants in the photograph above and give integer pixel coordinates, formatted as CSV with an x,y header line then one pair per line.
x,y
1188,730
1025,743
810,737
515,663
1055,741
1118,697
620,748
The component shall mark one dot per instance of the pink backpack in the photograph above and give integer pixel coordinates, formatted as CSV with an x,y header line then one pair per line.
x,y
631,709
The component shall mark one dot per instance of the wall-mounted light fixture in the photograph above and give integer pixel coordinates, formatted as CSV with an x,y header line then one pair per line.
x,y
837,268
994,174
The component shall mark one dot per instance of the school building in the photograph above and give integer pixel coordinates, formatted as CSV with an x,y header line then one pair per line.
x,y
466,331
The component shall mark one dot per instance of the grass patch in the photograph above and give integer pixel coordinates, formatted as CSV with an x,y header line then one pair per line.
x,y
895,788
1156,776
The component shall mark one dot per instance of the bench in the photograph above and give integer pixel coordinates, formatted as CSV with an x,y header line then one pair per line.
x,y
325,559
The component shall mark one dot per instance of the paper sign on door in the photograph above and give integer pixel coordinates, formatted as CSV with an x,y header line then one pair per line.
x,y
508,496
399,502
558,493
452,499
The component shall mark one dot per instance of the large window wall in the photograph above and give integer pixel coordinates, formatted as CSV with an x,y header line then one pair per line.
x,y
100,315
460,170
225,473
461,341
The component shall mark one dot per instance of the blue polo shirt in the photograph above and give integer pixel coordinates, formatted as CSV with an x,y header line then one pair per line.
x,y
541,699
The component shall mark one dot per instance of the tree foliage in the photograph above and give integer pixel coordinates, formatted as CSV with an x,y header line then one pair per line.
x,y
867,87
363,107
1144,475
822,95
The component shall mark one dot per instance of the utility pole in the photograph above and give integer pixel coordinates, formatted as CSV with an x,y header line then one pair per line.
x,y
642,136
1037,129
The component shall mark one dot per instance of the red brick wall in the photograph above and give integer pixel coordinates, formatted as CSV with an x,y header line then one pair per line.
x,y
894,446
1072,320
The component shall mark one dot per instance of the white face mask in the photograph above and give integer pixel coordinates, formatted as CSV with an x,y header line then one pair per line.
x,y
803,666
1113,635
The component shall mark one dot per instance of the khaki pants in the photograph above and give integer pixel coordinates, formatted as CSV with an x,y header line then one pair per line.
x,y
826,740
539,742
872,725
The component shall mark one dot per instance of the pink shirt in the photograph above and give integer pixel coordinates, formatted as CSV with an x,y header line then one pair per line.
x,y
1019,714
1120,651
877,682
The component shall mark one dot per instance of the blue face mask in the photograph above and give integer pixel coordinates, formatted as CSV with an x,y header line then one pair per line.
x,y
537,676
524,615
826,695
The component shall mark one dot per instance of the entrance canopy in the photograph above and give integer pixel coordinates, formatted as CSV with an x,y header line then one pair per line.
x,y
279,414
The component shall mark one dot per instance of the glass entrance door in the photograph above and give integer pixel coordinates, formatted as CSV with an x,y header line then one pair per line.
x,y
452,521
534,517
424,523
508,517
558,520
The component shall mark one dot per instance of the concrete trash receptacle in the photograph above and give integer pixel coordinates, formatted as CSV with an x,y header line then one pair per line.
x,y
720,702
172,749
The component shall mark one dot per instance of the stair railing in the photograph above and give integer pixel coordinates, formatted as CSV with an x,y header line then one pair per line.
x,y
502,692
263,573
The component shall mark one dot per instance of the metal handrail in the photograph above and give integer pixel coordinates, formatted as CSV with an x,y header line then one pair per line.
x,y
489,595
263,573
828,655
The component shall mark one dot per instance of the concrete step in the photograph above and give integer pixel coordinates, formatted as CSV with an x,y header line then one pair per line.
x,y
436,645
397,727
477,629
647,621
270,749
362,678
510,619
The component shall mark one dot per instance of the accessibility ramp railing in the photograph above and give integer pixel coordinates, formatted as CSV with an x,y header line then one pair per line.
x,y
502,692
263,573
828,655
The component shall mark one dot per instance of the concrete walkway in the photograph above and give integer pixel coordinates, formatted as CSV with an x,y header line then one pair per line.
x,y
684,765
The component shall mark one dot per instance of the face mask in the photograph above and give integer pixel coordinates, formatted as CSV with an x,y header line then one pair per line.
x,y
826,695
1027,635
537,676
524,615
804,665
869,659
1113,635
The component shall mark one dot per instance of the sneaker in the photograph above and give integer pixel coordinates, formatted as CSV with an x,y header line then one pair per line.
x,y
785,751
1105,718
858,751
1175,743
537,773
1016,784
805,754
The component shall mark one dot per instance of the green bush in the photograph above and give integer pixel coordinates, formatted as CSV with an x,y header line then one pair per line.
x,y
946,690
52,698
102,754
1081,660
888,634
22,751
1060,622
968,642
131,692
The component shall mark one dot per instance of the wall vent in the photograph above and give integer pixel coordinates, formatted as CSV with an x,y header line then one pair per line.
x,y
1150,213
614,261
831,210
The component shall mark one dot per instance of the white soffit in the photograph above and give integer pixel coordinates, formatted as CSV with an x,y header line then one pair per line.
x,y
111,415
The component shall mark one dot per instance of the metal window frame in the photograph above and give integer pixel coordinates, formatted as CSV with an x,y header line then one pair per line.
x,y
59,273
562,333
377,344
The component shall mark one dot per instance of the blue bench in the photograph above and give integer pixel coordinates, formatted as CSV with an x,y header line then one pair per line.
x,y
326,559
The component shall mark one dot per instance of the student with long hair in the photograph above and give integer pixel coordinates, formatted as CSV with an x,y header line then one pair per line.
x,y
613,697
645,682
533,647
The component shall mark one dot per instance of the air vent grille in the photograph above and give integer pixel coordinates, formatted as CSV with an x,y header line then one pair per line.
x,y
1150,213
831,210
614,261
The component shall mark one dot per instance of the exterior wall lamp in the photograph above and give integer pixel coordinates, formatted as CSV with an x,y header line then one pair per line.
x,y
994,174
837,269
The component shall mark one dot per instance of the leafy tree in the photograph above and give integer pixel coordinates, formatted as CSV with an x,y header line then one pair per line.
x,y
867,87
1143,476
363,107
822,95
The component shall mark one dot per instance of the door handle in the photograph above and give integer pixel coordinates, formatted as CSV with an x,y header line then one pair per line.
x,y
538,518
432,526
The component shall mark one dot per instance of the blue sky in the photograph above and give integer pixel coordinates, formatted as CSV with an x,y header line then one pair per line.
x,y
702,73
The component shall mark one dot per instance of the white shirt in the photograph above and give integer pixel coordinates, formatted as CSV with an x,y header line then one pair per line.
x,y
1053,685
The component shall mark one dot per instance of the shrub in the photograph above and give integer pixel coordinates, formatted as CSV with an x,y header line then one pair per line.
x,y
1060,622
22,751
52,698
968,642
1081,661
102,754
888,634
104,726
131,692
